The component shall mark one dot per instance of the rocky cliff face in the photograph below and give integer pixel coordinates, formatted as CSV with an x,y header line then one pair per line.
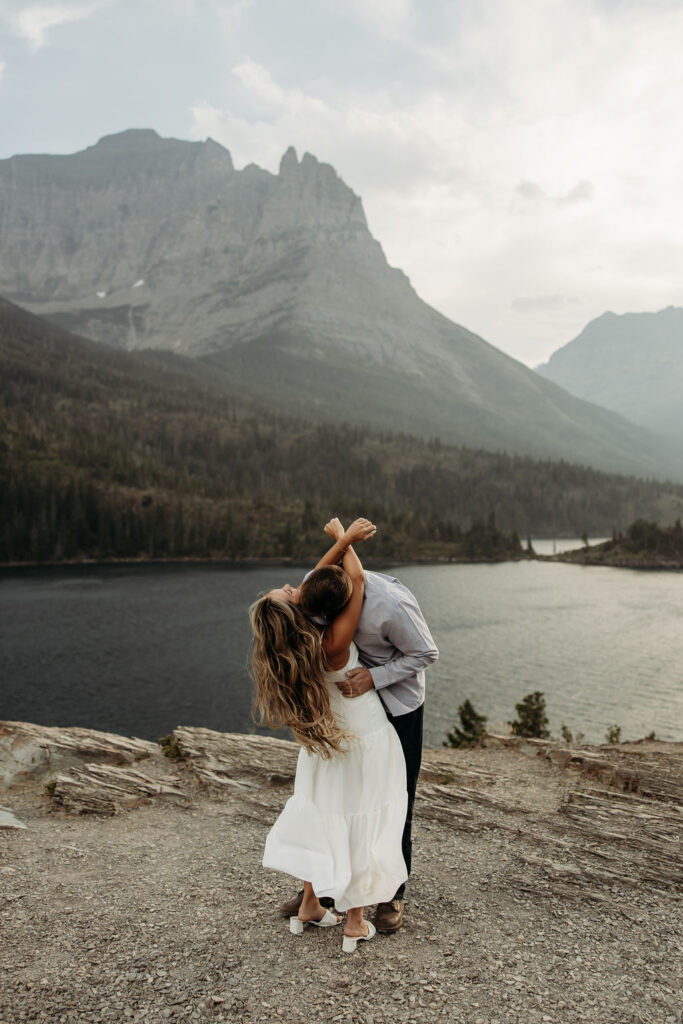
x,y
143,241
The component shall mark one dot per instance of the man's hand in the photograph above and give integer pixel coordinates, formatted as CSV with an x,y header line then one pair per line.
x,y
357,682
334,529
360,529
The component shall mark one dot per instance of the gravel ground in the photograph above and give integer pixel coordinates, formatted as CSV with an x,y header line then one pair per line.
x,y
165,914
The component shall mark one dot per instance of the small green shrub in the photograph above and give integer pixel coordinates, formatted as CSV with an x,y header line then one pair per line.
x,y
569,737
472,727
169,747
613,734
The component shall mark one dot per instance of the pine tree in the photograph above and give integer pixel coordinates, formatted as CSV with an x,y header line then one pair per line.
x,y
471,728
532,720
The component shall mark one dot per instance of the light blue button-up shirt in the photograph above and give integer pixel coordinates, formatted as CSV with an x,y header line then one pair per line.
x,y
394,642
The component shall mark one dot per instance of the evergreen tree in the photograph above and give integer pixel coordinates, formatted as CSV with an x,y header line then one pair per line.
x,y
531,720
471,728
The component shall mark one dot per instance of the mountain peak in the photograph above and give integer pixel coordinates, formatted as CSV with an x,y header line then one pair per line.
x,y
212,152
630,363
289,162
137,137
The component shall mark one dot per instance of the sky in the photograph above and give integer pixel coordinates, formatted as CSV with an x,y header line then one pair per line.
x,y
520,160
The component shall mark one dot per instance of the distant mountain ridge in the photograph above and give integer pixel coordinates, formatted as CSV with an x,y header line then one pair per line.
x,y
632,363
140,242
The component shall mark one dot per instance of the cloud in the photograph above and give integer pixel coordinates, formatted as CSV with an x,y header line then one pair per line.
x,y
582,192
2,68
392,19
533,303
368,138
530,190
33,23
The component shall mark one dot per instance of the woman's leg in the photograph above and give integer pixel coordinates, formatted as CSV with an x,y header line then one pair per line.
x,y
311,908
356,925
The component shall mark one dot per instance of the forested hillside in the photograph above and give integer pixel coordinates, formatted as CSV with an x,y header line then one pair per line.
x,y
107,454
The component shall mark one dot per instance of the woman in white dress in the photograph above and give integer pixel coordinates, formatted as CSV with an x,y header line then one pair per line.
x,y
341,830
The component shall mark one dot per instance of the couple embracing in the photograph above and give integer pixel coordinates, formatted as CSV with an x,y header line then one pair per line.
x,y
340,660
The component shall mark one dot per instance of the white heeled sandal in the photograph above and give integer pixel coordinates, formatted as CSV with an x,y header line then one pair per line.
x,y
349,943
328,920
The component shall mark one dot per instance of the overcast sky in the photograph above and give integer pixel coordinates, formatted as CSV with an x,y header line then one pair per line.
x,y
520,160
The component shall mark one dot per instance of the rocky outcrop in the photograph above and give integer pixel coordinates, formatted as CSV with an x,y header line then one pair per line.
x,y
618,814
140,241
35,752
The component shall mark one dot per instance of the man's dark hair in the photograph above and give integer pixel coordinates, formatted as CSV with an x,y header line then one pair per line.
x,y
325,592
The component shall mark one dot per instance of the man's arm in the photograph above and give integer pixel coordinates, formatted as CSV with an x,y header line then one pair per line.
x,y
407,630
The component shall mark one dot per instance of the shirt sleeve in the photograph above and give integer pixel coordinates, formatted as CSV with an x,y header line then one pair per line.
x,y
407,630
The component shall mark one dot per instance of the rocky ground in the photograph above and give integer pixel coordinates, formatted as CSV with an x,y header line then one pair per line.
x,y
546,887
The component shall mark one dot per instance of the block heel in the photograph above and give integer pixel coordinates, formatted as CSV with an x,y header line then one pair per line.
x,y
328,920
349,944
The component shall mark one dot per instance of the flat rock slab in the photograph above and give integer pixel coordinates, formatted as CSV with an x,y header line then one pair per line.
x,y
108,789
33,752
8,820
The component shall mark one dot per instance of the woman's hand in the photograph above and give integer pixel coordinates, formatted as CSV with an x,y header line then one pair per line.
x,y
334,529
360,529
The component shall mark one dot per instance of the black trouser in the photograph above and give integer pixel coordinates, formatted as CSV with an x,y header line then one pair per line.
x,y
409,729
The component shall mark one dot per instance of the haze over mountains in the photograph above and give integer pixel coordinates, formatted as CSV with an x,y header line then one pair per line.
x,y
631,363
140,241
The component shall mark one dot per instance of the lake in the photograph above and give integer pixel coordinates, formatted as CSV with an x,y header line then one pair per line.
x,y
139,649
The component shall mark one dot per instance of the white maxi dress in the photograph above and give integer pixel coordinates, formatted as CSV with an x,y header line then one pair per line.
x,y
342,828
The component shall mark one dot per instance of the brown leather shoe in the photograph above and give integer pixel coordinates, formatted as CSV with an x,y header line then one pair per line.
x,y
389,916
291,909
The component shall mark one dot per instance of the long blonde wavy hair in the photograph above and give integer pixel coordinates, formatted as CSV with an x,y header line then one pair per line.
x,y
287,665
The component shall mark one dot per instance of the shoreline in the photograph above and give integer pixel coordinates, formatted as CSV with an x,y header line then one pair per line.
x,y
577,557
256,563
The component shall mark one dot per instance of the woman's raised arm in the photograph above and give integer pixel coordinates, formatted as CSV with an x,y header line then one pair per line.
x,y
360,529
339,634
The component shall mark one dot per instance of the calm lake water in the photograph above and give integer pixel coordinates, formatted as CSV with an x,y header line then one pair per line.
x,y
140,649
